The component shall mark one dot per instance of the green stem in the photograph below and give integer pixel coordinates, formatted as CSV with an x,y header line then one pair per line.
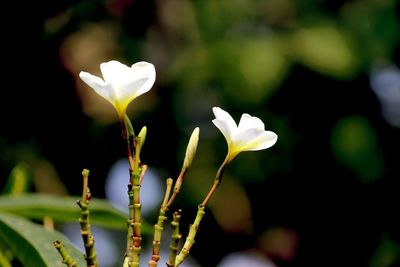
x,y
135,210
159,227
200,213
144,170
67,260
129,244
217,181
177,187
191,236
134,236
134,222
175,238
87,237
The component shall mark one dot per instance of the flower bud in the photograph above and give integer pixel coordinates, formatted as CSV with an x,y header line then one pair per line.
x,y
142,137
191,148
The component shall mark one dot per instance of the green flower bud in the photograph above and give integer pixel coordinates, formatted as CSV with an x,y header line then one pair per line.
x,y
142,137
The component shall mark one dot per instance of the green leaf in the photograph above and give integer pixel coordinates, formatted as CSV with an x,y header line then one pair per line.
x,y
64,209
32,244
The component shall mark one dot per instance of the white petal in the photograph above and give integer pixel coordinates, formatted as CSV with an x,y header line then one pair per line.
x,y
99,86
247,122
146,70
116,73
242,139
141,81
225,129
221,114
264,141
131,90
254,139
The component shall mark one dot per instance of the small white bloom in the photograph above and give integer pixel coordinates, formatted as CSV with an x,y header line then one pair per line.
x,y
249,135
121,84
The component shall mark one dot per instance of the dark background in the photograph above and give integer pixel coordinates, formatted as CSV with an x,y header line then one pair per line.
x,y
327,194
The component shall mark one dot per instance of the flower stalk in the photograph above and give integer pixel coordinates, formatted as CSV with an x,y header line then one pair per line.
x,y
134,236
167,202
159,226
189,156
217,181
87,236
175,238
189,241
134,227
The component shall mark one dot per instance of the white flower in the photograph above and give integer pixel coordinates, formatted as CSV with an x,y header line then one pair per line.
x,y
249,135
121,84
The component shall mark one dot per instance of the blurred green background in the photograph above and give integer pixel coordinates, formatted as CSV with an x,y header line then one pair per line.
x,y
323,75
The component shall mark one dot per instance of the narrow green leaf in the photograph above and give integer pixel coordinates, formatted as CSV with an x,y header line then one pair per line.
x,y
64,209
32,244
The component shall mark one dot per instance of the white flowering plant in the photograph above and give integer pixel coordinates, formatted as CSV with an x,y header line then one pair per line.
x,y
120,85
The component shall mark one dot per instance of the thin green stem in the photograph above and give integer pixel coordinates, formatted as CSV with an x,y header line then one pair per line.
x,y
159,226
67,260
191,236
134,221
177,187
87,236
134,227
175,238
189,241
134,236
144,170
129,239
168,188
158,229
217,181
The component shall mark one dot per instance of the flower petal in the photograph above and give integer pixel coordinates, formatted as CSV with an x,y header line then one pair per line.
x,y
130,91
142,79
99,86
225,123
144,69
116,73
225,130
247,122
254,139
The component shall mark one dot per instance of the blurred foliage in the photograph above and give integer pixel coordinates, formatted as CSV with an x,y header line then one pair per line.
x,y
386,254
355,143
19,181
